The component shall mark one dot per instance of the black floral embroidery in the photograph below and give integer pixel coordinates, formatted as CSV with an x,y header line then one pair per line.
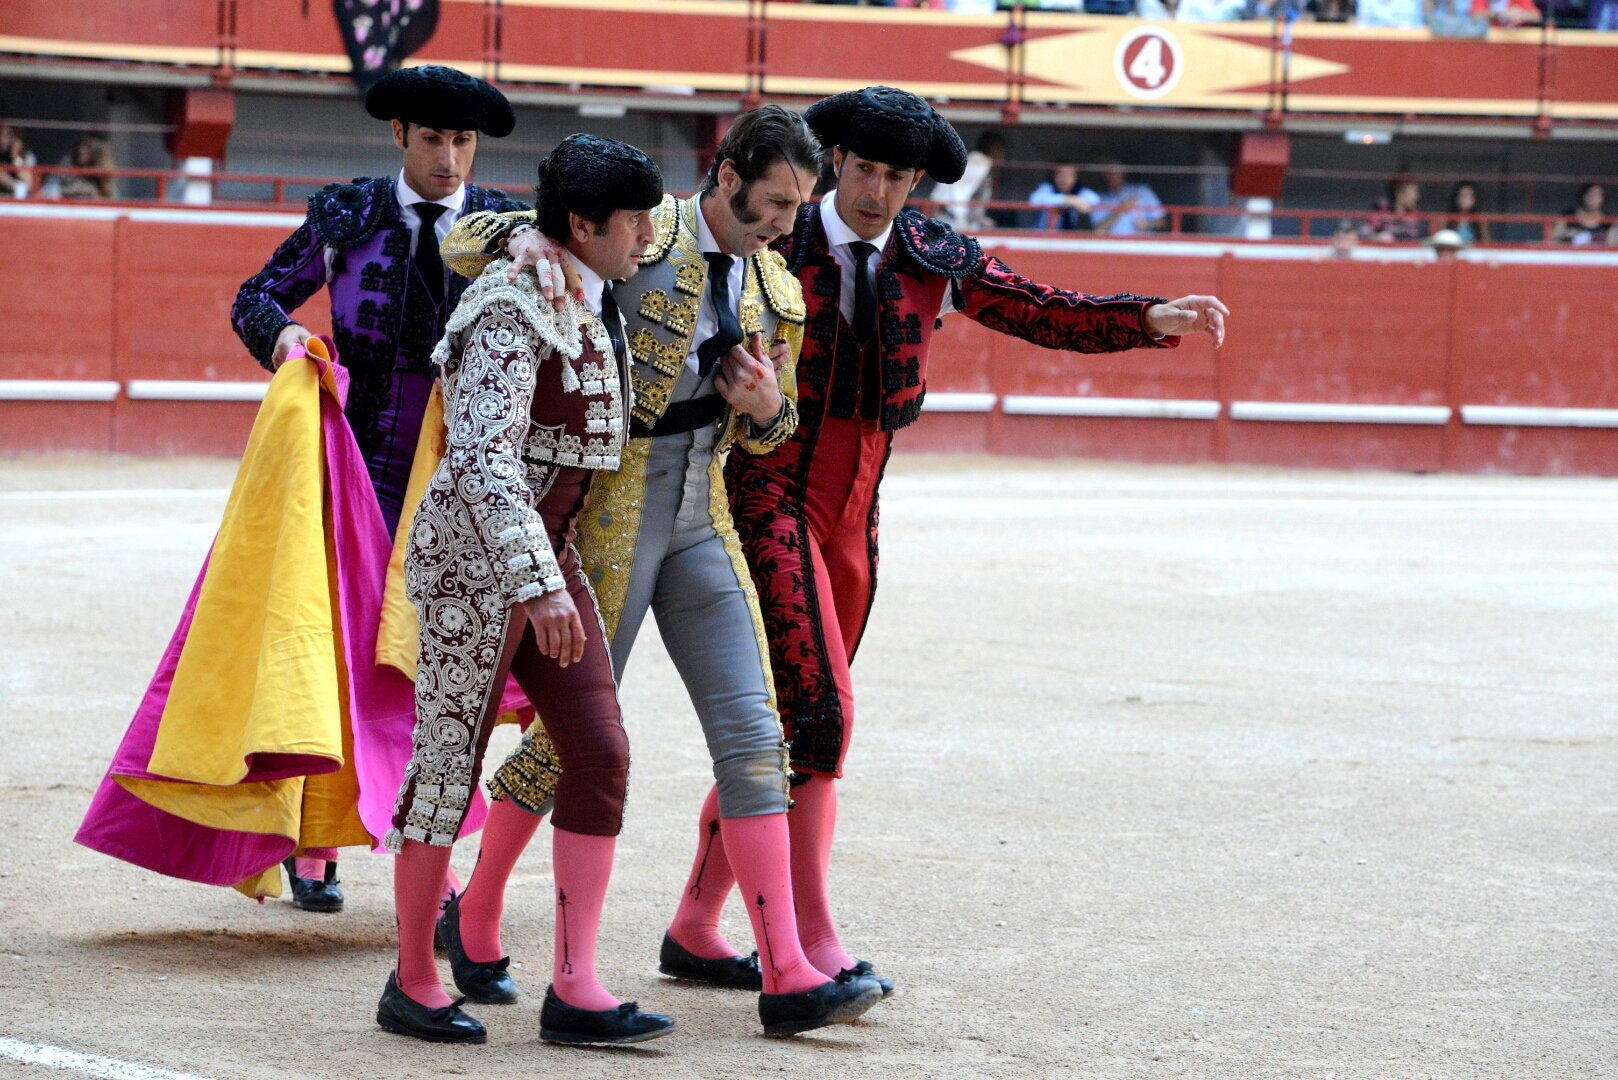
x,y
936,246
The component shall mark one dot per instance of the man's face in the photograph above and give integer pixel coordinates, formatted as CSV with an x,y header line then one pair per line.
x,y
435,162
612,249
869,193
747,217
1115,177
1065,177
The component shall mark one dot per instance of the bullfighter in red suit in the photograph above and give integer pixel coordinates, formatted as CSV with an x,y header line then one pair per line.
x,y
877,280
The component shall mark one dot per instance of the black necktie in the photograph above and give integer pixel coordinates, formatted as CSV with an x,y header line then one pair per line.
x,y
864,293
729,334
614,321
428,262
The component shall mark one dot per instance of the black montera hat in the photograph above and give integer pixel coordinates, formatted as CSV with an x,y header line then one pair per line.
x,y
892,126
440,97
592,176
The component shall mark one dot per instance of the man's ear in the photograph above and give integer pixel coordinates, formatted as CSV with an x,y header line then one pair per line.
x,y
730,181
401,133
919,174
579,228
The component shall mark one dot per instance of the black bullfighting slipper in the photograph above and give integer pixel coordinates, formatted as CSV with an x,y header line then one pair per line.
x,y
403,1015
730,973
863,969
485,983
438,927
834,1002
560,1022
311,895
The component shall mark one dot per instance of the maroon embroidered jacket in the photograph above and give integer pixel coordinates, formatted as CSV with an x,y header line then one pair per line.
x,y
885,380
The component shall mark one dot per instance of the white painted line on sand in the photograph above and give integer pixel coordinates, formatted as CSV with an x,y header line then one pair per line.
x,y
54,1057
104,495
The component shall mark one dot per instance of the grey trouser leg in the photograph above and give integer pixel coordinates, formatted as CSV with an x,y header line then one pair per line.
x,y
684,575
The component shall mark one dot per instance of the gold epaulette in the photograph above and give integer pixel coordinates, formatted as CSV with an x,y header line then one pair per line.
x,y
781,286
666,219
477,239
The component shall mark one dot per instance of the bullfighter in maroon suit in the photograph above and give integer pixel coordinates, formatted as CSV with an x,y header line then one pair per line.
x,y
877,280
367,244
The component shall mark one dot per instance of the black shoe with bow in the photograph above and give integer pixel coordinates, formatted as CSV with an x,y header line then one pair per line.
x,y
731,973
401,1014
312,895
560,1022
485,983
835,1002
862,969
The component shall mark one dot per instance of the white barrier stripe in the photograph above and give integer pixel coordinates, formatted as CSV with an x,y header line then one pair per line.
x,y
1537,416
197,390
57,390
54,1057
83,213
1144,408
958,402
176,215
1321,413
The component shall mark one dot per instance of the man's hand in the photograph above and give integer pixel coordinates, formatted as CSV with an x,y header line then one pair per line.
x,y
746,379
556,273
1188,315
557,629
780,353
291,337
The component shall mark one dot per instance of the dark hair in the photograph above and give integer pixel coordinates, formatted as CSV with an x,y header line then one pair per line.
x,y
593,177
1455,195
758,140
1586,189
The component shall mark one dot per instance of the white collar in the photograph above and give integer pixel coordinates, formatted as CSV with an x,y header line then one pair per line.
x,y
592,282
408,197
705,237
837,230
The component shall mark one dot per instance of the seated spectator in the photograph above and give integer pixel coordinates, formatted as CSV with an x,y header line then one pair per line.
x,y
1345,239
1509,13
1064,190
16,164
1396,217
1125,209
1604,15
93,152
1587,222
975,185
1329,11
1209,10
1463,203
1405,13
1446,245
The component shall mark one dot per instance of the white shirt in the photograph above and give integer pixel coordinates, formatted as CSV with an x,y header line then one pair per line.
x,y
408,198
707,320
592,283
838,238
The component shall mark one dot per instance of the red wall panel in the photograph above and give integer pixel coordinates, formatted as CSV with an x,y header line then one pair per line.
x,y
56,288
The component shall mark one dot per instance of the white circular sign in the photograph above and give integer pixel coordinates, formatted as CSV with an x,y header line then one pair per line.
x,y
1148,62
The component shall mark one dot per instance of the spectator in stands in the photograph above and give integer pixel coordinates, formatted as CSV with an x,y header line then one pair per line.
x,y
1446,245
16,164
1329,11
1205,10
1463,203
1069,200
1396,217
1345,239
1604,14
1125,209
1587,221
1403,13
93,152
975,185
1509,13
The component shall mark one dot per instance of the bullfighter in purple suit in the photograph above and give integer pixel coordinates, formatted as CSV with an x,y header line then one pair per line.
x,y
366,243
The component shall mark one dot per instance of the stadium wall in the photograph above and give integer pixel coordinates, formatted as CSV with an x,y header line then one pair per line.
x,y
117,338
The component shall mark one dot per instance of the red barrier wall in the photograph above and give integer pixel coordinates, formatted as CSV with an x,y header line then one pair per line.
x,y
131,295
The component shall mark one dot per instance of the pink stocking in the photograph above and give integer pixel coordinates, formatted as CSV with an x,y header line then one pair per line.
x,y
696,923
505,835
418,874
312,863
583,868
758,854
813,822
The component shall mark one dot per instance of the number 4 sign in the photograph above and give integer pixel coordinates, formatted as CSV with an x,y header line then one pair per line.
x,y
1147,62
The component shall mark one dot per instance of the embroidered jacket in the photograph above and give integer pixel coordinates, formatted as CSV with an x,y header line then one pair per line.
x,y
354,241
527,391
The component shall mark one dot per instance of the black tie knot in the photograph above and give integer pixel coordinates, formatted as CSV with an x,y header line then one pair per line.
x,y
864,291
862,250
728,331
429,264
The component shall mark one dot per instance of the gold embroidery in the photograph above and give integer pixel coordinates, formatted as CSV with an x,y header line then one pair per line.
x,y
752,317
666,222
689,278
781,285
651,398
667,358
